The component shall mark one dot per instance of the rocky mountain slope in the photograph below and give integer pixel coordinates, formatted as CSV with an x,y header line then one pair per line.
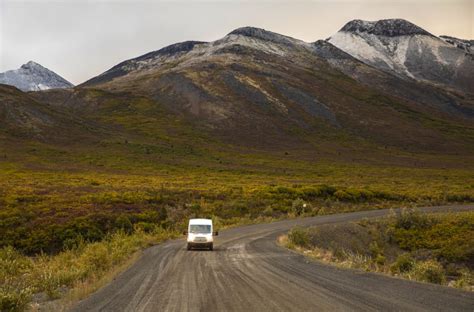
x,y
23,117
33,77
400,47
258,89
465,45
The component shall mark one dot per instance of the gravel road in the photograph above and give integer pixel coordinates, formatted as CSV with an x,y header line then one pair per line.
x,y
248,271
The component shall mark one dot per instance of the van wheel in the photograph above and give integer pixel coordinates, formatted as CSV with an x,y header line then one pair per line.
x,y
211,247
188,247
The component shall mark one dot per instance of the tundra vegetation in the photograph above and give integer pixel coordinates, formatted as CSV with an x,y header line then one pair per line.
x,y
66,225
84,188
434,248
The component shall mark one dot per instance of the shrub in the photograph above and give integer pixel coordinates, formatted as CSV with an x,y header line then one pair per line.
x,y
123,223
465,279
144,227
412,219
96,257
380,259
375,249
354,195
429,271
403,264
310,193
326,190
195,209
15,292
299,237
12,263
450,237
298,207
14,299
343,195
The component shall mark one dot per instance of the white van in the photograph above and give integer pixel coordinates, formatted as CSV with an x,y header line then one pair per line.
x,y
200,232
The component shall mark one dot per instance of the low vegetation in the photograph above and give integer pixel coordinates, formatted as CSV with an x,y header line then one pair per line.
x,y
61,207
433,248
80,268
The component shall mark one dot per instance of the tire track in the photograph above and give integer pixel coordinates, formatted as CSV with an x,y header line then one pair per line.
x,y
247,271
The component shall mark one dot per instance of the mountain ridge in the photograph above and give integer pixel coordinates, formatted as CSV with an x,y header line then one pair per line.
x,y
385,27
404,49
392,45
258,89
32,76
463,44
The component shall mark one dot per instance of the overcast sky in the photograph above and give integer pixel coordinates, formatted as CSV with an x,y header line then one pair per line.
x,y
81,39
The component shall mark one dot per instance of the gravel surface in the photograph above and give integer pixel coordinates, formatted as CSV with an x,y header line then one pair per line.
x,y
248,271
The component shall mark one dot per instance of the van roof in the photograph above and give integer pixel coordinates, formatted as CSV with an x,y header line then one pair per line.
x,y
200,221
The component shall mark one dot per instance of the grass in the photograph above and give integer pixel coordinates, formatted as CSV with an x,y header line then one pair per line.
x,y
433,248
63,210
48,210
81,269
65,231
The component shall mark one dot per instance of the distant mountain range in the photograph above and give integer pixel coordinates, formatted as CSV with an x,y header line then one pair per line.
x,y
381,84
33,77
394,45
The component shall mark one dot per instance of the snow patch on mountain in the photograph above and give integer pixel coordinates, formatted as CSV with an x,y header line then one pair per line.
x,y
33,77
388,55
395,46
404,49
387,27
189,52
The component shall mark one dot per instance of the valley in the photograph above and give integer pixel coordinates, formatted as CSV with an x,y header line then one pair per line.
x,y
243,129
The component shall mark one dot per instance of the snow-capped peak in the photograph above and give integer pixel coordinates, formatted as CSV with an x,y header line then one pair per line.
x,y
33,77
31,65
262,34
402,48
185,53
386,27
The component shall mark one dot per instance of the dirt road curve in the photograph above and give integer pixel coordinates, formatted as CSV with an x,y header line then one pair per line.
x,y
247,271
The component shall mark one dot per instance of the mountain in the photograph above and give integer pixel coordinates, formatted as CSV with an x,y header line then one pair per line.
x,y
33,77
252,90
404,49
24,117
465,45
190,52
257,88
424,95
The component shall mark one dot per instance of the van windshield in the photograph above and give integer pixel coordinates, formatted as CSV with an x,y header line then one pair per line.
x,y
199,228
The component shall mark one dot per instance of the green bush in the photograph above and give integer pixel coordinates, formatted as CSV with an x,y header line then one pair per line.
x,y
97,257
123,223
298,207
412,219
430,271
450,237
12,263
326,190
144,227
403,264
380,259
299,237
15,292
343,196
14,299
